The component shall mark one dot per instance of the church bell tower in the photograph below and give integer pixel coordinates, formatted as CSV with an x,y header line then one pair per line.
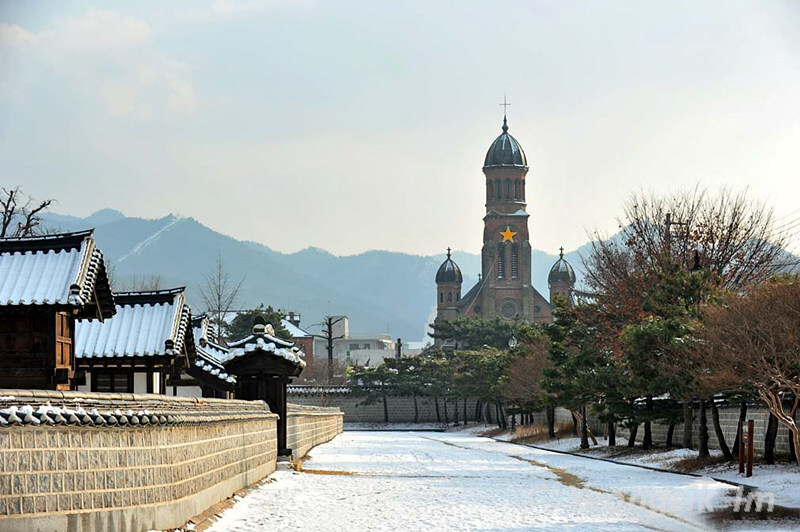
x,y
506,254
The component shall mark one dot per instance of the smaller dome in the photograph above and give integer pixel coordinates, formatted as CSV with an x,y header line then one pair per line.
x,y
561,271
449,272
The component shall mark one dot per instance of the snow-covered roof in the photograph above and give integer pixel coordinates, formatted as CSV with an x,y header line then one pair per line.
x,y
202,328
209,354
62,270
267,343
258,343
61,415
146,324
294,330
210,364
313,390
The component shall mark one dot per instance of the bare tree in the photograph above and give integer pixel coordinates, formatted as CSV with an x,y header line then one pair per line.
x,y
143,283
732,236
755,339
21,214
219,293
328,335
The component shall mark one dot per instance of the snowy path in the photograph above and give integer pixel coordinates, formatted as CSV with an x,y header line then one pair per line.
x,y
448,481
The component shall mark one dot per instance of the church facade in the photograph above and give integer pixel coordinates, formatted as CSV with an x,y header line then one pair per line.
x,y
504,288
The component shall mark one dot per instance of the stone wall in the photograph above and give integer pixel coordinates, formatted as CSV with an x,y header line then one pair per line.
x,y
401,407
309,426
93,461
729,421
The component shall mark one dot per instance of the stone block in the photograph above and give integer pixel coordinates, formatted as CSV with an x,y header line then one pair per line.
x,y
14,505
28,504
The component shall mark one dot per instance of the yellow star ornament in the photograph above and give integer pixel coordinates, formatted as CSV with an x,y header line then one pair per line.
x,y
508,235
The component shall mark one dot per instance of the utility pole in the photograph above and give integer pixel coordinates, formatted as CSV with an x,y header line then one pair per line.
x,y
327,335
668,223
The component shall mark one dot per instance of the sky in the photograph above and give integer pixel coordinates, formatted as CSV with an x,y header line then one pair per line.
x,y
353,126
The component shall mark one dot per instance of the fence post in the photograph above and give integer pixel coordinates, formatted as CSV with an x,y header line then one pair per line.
x,y
750,427
742,442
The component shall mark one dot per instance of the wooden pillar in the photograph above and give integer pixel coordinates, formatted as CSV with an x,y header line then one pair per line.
x,y
276,398
149,378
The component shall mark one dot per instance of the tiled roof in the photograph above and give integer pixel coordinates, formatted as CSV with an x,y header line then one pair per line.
x,y
313,390
210,364
202,328
267,343
61,415
294,330
61,270
146,324
209,354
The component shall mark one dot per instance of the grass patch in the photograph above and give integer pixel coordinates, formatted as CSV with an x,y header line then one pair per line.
x,y
538,433
689,465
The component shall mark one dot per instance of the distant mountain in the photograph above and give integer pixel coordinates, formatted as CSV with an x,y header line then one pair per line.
x,y
381,291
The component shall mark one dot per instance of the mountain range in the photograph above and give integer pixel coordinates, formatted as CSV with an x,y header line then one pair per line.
x,y
380,291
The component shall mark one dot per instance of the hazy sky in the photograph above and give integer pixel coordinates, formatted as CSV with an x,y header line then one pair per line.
x,y
363,125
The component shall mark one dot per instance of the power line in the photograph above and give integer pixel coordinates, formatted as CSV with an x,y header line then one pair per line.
x,y
786,216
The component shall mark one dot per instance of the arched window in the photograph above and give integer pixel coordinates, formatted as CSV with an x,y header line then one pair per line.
x,y
508,189
490,189
516,190
514,262
523,190
501,261
441,297
449,297
498,191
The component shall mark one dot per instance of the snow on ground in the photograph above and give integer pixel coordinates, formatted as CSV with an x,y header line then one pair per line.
x,y
394,426
451,481
781,479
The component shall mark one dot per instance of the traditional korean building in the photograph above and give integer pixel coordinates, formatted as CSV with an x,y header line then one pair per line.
x,y
264,365
134,351
149,347
46,284
211,379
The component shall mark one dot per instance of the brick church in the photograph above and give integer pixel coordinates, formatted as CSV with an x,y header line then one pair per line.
x,y
504,287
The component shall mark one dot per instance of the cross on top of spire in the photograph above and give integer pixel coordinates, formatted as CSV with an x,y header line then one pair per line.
x,y
561,252
505,105
448,252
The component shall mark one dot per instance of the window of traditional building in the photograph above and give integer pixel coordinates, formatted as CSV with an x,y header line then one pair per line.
x,y
490,189
508,189
441,297
449,297
516,189
108,381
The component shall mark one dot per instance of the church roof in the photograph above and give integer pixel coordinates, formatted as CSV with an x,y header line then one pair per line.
x,y
449,272
561,271
505,151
